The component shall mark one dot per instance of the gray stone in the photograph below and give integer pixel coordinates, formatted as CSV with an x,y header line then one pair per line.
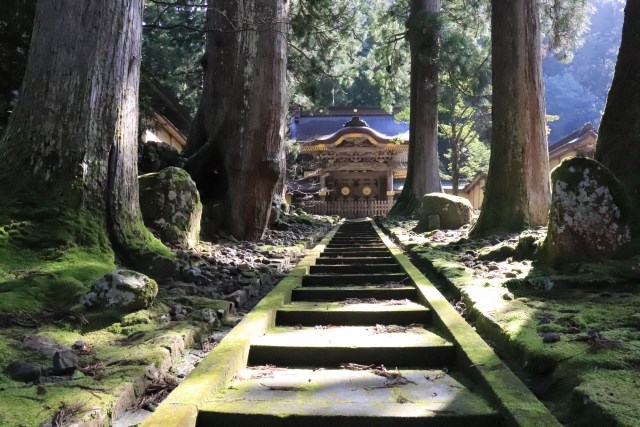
x,y
453,212
43,345
508,296
124,289
589,217
65,362
170,205
24,371
551,337
239,298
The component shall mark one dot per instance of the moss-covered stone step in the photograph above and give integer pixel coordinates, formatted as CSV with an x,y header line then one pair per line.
x,y
355,269
355,249
310,398
354,252
355,260
350,239
331,293
351,279
394,312
367,245
413,347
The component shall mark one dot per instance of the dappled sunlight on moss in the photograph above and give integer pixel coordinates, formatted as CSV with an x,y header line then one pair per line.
x,y
592,306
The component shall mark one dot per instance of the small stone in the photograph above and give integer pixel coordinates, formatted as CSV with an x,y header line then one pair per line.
x,y
79,345
24,371
508,296
551,337
65,362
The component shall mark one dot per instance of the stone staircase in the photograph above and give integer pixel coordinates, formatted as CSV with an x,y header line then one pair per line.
x,y
355,335
353,347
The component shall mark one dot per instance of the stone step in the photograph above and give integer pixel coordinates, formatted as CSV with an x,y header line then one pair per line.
x,y
413,347
372,245
355,239
328,293
308,313
355,269
338,397
351,279
355,260
355,252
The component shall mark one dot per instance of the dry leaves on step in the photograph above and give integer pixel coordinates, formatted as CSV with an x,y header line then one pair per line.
x,y
264,371
397,302
350,301
439,375
390,329
392,378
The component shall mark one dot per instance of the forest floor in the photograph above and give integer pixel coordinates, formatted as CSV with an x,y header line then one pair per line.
x,y
573,334
132,360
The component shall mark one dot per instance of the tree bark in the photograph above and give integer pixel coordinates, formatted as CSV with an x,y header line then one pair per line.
x,y
618,145
518,191
71,144
423,169
236,144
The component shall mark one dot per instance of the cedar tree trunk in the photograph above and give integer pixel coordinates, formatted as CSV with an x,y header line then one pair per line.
x,y
423,169
70,149
619,136
236,143
518,191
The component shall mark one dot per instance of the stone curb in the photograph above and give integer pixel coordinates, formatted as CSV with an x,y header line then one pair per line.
x,y
217,369
517,403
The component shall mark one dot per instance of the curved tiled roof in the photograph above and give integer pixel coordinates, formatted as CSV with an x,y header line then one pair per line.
x,y
309,128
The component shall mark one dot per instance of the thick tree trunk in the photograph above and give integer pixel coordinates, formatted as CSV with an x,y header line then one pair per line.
x,y
70,147
236,144
619,135
518,191
423,170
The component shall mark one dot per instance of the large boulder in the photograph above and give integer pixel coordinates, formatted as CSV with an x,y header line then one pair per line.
x,y
170,205
589,217
443,211
124,289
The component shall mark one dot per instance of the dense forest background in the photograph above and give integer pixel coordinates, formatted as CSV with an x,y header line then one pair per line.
x,y
350,56
576,91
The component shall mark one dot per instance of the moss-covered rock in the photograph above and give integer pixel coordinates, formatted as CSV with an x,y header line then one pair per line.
x,y
452,211
589,217
125,289
171,206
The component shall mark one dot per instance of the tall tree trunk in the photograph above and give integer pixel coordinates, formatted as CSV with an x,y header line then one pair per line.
x,y
619,135
518,191
236,144
423,169
70,148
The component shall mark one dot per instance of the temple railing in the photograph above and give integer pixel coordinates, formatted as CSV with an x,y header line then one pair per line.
x,y
348,208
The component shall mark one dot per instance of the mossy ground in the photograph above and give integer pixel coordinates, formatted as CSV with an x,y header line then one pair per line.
x,y
48,260
591,375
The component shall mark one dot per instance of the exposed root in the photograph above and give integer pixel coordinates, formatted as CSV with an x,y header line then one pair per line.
x,y
67,412
157,392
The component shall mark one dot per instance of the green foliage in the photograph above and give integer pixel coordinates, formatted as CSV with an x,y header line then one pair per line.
x,y
329,53
564,23
172,45
577,91
16,22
